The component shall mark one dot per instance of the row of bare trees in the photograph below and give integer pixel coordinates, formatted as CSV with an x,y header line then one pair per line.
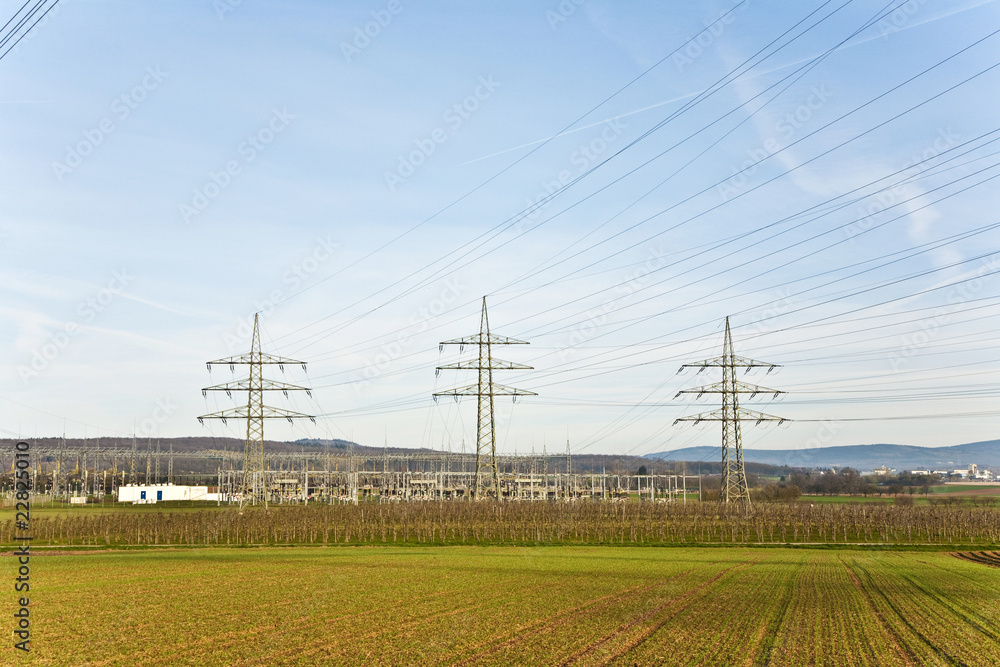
x,y
527,524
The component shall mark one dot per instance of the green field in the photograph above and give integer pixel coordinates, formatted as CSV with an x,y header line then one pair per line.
x,y
965,488
847,499
63,509
512,606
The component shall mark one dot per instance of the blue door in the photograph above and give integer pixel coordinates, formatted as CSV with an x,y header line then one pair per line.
x,y
159,495
142,495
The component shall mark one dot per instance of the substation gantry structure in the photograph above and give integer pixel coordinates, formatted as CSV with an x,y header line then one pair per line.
x,y
321,475
255,487
487,477
734,477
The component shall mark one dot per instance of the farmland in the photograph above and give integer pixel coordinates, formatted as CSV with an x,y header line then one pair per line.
x,y
458,583
514,605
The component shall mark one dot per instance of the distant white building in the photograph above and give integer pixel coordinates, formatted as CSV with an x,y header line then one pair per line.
x,y
143,494
972,472
981,475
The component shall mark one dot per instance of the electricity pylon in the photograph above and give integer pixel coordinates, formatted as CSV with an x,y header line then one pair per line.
x,y
734,477
485,389
132,479
254,488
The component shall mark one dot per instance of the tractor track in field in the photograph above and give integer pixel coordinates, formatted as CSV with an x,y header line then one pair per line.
x,y
902,647
988,558
964,614
565,616
641,638
645,634
941,653
769,631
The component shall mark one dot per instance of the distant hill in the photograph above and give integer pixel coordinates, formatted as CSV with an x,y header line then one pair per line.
x,y
862,457
185,444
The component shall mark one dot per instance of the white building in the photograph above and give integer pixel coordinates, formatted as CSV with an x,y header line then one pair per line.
x,y
143,494
972,473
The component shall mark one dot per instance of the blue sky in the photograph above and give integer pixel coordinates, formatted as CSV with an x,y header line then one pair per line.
x,y
169,169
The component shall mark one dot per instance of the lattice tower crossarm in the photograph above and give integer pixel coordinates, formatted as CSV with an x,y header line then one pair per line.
x,y
485,390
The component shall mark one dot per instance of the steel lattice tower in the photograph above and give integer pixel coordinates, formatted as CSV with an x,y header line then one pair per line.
x,y
131,464
734,477
254,488
485,390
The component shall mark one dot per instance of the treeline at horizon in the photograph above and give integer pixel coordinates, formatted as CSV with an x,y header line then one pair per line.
x,y
849,482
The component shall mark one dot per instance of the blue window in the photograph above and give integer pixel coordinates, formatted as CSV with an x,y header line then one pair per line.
x,y
142,495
